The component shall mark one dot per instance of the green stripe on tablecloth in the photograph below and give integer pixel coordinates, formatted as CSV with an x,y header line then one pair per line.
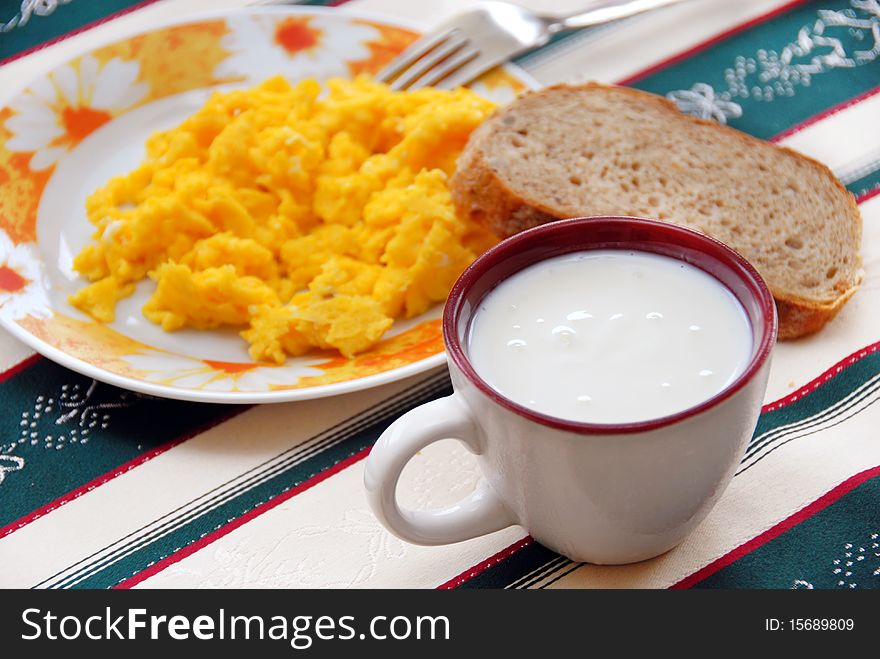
x,y
525,561
829,393
838,547
55,436
865,184
751,68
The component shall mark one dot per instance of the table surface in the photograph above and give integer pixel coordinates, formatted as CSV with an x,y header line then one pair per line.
x,y
171,494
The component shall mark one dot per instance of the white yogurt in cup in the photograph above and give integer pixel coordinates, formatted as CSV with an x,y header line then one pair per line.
x,y
561,340
610,336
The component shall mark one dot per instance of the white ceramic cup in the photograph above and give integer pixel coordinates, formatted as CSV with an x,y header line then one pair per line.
x,y
598,493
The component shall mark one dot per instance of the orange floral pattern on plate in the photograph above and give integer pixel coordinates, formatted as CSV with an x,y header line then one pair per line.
x,y
105,348
231,368
20,189
295,35
92,342
10,280
79,122
173,59
392,42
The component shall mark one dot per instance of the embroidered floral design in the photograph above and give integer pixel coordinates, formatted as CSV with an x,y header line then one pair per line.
x,y
78,416
701,101
65,419
8,464
88,414
30,8
361,529
859,564
849,569
831,42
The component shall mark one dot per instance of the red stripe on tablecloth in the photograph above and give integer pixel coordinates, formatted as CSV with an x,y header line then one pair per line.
x,y
19,367
110,475
179,555
870,194
804,513
822,379
79,30
479,568
825,114
709,42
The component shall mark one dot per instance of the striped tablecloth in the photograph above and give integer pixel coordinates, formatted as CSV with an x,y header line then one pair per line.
x,y
171,494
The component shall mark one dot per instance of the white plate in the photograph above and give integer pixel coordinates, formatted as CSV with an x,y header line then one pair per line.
x,y
73,128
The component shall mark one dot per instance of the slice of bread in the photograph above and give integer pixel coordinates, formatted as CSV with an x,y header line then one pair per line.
x,y
569,151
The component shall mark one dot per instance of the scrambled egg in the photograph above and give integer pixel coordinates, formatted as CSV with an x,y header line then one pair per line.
x,y
310,221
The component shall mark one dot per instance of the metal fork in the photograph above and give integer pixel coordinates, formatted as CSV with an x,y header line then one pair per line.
x,y
491,33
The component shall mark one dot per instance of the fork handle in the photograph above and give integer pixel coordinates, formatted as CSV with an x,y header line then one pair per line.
x,y
607,13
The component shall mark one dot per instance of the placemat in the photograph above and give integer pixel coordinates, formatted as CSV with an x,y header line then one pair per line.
x,y
103,488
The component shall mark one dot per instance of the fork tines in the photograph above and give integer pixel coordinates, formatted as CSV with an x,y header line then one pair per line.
x,y
429,60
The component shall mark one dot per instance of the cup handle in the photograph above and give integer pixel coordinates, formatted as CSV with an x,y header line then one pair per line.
x,y
480,513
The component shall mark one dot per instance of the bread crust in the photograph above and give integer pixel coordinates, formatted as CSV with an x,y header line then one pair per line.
x,y
799,317
480,193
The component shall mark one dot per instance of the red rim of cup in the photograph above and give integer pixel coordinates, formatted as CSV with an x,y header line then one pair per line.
x,y
609,232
